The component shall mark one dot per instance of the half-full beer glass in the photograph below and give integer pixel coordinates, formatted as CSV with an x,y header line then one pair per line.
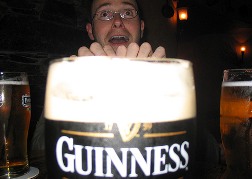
x,y
235,122
119,118
15,116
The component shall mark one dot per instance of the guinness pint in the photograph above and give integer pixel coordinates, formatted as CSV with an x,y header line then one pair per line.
x,y
119,118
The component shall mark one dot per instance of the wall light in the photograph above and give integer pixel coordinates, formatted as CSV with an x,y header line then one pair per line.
x,y
243,49
182,13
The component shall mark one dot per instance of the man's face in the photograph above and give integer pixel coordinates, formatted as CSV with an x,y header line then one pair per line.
x,y
117,31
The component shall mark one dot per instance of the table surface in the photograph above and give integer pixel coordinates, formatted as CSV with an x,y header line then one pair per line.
x,y
37,159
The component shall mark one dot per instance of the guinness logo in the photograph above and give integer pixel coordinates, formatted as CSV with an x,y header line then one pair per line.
x,y
127,131
26,100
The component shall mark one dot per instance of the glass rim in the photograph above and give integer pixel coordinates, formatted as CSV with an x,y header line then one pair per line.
x,y
12,72
238,70
157,60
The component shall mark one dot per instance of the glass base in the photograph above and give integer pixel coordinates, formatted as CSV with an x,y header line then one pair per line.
x,y
31,174
13,171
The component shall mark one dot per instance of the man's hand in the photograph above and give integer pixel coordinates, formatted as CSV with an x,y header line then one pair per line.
x,y
144,51
132,51
96,50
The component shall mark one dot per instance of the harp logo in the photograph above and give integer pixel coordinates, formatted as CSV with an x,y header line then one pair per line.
x,y
128,131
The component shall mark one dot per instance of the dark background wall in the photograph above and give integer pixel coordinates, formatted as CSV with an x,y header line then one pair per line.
x,y
33,32
211,39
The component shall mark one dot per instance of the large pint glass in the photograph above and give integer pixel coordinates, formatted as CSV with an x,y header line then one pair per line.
x,y
15,116
235,122
119,118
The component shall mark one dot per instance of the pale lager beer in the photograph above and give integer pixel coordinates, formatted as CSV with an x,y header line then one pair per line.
x,y
15,116
235,122
119,118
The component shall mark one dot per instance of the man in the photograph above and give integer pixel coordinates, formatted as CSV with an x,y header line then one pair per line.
x,y
116,27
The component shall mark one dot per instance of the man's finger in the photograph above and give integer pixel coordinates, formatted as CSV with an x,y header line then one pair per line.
x,y
132,50
159,53
97,49
84,51
145,50
109,50
72,57
121,51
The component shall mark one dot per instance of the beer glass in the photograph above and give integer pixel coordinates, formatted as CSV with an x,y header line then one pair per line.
x,y
235,122
14,123
119,118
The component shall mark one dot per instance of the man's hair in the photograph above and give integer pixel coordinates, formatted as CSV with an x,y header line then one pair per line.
x,y
90,15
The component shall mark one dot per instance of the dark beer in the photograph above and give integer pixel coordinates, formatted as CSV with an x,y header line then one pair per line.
x,y
14,122
105,119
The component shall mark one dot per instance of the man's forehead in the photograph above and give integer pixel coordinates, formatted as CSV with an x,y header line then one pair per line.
x,y
100,3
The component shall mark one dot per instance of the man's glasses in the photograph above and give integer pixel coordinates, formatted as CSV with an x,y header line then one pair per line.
x,y
107,15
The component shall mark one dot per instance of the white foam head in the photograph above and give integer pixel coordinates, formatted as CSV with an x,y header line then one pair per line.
x,y
237,83
14,82
106,89
13,78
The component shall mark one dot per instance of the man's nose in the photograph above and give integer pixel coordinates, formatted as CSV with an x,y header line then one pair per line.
x,y
117,21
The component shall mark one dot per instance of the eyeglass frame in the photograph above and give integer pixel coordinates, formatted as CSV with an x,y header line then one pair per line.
x,y
115,12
